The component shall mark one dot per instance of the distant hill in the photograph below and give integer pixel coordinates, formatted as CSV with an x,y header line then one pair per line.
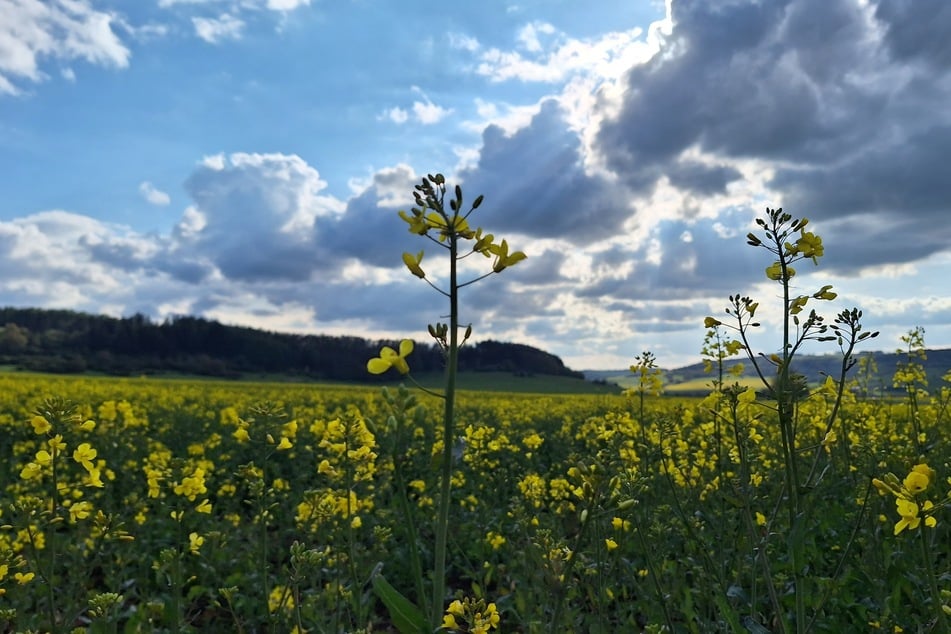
x,y
66,341
814,367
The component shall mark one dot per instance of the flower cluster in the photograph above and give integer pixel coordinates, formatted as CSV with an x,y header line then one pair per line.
x,y
471,615
910,503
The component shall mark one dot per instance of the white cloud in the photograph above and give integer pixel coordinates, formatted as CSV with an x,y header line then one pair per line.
x,y
214,30
426,111
528,35
152,195
429,113
396,114
604,57
215,161
169,3
463,42
286,5
33,32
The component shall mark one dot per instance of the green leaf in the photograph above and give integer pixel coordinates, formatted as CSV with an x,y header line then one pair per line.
x,y
406,617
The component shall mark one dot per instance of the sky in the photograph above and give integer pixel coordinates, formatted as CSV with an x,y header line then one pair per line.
x,y
245,160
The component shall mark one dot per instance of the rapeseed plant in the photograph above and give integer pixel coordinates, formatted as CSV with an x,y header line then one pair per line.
x,y
447,228
916,513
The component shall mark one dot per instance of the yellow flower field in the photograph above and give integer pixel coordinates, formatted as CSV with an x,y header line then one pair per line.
x,y
144,505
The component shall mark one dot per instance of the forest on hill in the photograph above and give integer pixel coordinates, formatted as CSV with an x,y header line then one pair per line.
x,y
65,341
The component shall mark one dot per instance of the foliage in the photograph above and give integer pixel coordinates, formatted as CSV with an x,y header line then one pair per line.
x,y
68,342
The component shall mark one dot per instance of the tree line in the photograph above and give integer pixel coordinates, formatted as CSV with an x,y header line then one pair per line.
x,y
66,341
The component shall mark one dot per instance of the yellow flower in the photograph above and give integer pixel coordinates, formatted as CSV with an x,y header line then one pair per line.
x,y
24,578
192,486
241,435
56,443
80,510
502,257
455,609
775,271
40,425
417,223
919,478
710,322
84,454
449,622
412,262
760,519
825,293
284,444
389,358
31,470
195,542
495,540
908,510
809,245
94,478
204,507
610,544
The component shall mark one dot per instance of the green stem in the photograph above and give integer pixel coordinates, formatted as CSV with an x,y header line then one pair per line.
x,y
262,518
52,541
941,622
653,571
784,402
442,526
566,576
411,537
351,541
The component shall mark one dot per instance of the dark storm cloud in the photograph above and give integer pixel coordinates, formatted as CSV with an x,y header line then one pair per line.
x,y
701,179
534,183
742,79
541,269
909,175
917,30
847,104
369,232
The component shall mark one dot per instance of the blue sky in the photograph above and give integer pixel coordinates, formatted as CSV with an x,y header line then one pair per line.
x,y
244,160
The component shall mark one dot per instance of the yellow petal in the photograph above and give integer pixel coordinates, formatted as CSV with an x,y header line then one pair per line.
x,y
406,347
378,365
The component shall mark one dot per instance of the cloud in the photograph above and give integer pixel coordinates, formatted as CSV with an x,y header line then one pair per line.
x,y
396,114
463,42
838,101
528,35
424,111
549,56
32,33
152,195
917,31
286,5
534,182
258,215
428,113
237,5
214,30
